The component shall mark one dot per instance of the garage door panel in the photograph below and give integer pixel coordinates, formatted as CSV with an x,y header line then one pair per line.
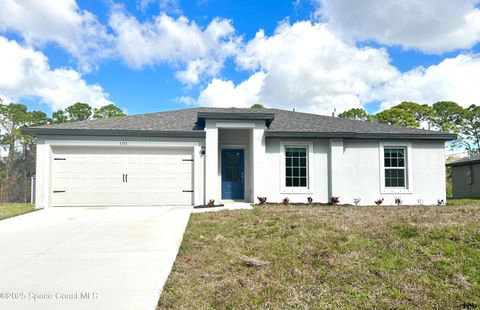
x,y
62,167
79,183
185,184
155,177
151,168
152,183
62,182
78,166
133,198
101,181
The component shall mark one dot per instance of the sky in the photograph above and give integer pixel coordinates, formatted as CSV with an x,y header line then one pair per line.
x,y
318,56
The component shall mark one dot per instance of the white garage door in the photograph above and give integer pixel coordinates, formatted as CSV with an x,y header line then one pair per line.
x,y
122,177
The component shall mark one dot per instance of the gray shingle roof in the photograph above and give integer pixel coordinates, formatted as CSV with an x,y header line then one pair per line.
x,y
285,123
466,161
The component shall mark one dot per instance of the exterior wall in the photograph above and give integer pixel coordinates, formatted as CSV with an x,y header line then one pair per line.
x,y
362,173
351,169
270,174
348,168
45,146
466,181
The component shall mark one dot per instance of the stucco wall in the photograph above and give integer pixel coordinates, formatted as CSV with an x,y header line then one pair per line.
x,y
356,173
354,166
465,186
362,173
270,173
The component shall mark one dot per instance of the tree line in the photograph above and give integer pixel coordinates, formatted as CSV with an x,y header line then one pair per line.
x,y
17,162
446,116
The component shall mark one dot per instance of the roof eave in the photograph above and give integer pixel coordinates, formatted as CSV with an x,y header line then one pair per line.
x,y
264,116
113,133
200,134
353,135
464,163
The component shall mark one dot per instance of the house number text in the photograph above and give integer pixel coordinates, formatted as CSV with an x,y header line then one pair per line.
x,y
123,143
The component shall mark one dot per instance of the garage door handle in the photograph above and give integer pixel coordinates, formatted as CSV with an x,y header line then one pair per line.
x,y
187,191
126,178
123,178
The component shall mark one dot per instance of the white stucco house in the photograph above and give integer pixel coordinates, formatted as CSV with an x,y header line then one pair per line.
x,y
187,157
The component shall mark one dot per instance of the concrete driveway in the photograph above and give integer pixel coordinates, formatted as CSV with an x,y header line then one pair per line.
x,y
88,258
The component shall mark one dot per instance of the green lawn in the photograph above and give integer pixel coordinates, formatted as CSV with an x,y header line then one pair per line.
x,y
12,209
463,202
329,257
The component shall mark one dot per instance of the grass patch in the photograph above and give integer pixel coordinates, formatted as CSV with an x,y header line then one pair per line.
x,y
463,202
285,257
13,209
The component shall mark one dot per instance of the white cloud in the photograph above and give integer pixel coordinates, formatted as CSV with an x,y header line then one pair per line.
x,y
26,73
178,42
429,26
303,66
453,79
62,22
220,93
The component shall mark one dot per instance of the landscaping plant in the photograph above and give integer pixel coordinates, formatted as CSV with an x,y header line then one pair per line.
x,y
335,200
262,200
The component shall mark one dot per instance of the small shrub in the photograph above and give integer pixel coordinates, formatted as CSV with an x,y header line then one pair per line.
x,y
334,200
211,203
310,200
379,201
398,201
286,201
356,201
262,200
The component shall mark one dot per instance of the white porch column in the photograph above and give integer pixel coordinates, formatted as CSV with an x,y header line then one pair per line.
x,y
335,169
43,172
211,162
258,160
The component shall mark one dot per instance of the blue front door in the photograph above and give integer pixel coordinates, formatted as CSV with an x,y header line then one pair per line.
x,y
232,174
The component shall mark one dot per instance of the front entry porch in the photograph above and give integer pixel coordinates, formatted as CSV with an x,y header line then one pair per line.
x,y
232,151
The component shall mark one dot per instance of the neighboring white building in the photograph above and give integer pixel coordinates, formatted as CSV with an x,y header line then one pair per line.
x,y
187,157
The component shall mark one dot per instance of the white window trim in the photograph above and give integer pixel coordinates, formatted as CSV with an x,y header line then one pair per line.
x,y
408,189
296,190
